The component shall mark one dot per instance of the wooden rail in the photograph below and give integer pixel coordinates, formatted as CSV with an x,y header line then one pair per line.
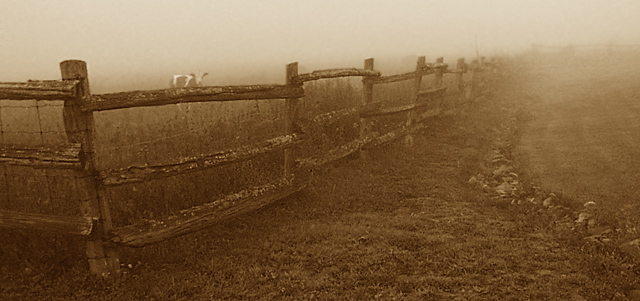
x,y
326,118
333,73
203,216
183,95
337,153
42,90
437,92
61,157
73,225
392,78
136,174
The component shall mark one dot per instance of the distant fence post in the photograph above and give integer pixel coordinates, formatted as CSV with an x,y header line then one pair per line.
x,y
459,77
411,115
472,86
79,125
290,119
437,80
367,99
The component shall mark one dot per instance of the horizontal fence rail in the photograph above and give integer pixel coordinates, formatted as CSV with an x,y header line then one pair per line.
x,y
61,157
184,95
72,225
333,73
136,174
42,90
203,216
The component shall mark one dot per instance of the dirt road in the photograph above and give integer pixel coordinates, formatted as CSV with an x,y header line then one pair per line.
x,y
584,140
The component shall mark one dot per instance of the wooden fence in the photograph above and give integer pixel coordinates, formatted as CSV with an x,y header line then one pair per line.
x,y
572,49
77,154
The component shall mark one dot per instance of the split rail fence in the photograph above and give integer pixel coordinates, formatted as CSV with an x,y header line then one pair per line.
x,y
94,222
572,49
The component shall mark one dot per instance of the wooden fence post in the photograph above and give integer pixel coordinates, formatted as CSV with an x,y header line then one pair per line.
x,y
367,99
411,115
473,82
437,80
459,77
291,120
103,260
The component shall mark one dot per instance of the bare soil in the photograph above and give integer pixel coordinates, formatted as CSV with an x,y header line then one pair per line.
x,y
403,225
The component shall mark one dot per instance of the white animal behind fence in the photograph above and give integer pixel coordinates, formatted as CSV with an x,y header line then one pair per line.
x,y
191,80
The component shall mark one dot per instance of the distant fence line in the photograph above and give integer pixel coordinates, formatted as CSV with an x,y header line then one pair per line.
x,y
94,222
571,49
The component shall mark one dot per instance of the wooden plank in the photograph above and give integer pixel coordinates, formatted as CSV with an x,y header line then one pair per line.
x,y
428,114
459,71
337,153
327,118
61,157
392,111
394,78
203,216
347,149
333,73
393,135
135,174
183,95
45,90
437,92
74,225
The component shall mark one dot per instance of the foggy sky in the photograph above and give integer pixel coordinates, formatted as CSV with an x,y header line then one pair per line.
x,y
140,44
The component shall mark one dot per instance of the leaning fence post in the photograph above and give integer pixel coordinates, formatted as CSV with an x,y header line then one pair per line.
x,y
79,125
367,100
290,118
411,115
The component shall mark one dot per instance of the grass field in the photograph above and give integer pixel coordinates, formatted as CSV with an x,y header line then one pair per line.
x,y
404,225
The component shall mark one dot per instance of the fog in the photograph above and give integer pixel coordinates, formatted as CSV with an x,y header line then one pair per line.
x,y
135,44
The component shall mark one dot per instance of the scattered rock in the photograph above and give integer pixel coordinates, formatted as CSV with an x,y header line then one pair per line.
x,y
502,171
634,295
583,217
576,297
549,201
631,248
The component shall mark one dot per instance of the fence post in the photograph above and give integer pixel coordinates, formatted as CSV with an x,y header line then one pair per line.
x,y
103,260
437,79
291,119
473,82
411,115
459,77
367,99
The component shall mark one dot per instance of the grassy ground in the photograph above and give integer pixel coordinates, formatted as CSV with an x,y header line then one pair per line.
x,y
404,225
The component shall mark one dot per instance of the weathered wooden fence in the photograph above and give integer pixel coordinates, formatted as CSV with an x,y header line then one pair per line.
x,y
76,154
572,49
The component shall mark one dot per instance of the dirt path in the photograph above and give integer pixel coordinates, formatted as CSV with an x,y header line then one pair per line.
x,y
585,138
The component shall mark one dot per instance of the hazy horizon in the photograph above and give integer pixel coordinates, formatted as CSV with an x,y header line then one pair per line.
x,y
141,44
